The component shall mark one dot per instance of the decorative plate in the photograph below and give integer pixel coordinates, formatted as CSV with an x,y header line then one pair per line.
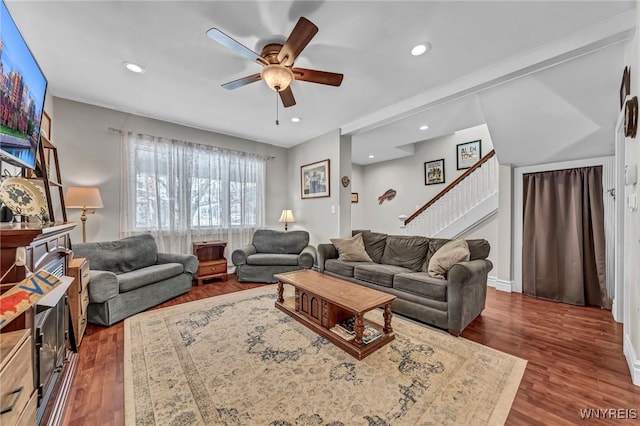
x,y
22,197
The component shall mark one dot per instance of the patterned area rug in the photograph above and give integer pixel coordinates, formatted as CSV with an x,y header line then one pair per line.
x,y
237,360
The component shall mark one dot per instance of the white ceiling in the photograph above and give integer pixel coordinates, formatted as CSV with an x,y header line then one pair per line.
x,y
386,93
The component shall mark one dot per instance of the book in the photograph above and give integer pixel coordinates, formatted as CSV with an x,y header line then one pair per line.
x,y
370,334
348,324
338,330
345,330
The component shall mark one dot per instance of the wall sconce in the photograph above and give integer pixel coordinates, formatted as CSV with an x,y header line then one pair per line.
x,y
287,218
85,198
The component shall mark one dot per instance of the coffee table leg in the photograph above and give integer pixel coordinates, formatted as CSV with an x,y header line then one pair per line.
x,y
280,292
387,318
359,329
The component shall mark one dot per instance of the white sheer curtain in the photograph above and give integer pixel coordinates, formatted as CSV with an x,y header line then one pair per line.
x,y
182,192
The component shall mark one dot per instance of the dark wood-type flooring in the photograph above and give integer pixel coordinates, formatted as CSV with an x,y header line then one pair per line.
x,y
574,356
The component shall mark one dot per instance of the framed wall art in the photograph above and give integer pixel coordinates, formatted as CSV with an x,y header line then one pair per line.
x,y
468,153
354,197
315,180
434,172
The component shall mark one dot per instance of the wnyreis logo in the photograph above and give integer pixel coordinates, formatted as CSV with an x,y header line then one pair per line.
x,y
608,413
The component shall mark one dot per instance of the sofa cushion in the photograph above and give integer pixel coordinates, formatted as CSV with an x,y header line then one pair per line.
x,y
421,284
269,259
378,274
119,256
374,244
448,255
478,249
149,275
270,241
407,251
351,249
342,268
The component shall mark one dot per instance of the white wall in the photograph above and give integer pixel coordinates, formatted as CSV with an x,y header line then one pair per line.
x,y
632,226
345,192
90,156
406,176
357,209
315,215
489,230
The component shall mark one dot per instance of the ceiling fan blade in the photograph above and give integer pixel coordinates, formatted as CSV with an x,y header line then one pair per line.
x,y
287,97
301,35
315,76
242,81
217,35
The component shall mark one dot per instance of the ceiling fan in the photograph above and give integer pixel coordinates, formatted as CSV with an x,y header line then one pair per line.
x,y
277,61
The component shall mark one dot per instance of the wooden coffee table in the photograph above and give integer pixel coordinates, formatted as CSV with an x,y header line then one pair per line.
x,y
321,301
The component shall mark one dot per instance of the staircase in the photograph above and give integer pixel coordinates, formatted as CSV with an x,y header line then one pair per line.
x,y
464,203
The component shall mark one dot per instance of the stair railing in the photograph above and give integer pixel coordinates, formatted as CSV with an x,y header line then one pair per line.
x,y
468,190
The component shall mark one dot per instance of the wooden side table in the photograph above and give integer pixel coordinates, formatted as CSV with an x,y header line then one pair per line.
x,y
213,264
79,295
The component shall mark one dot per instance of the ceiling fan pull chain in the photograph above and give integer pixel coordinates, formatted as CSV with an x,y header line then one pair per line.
x,y
277,122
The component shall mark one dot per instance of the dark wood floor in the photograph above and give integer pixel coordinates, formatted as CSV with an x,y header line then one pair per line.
x,y
574,356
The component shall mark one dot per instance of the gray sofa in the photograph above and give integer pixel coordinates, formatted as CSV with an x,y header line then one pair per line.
x,y
273,252
129,276
399,267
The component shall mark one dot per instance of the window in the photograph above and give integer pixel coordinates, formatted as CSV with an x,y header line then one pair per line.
x,y
183,190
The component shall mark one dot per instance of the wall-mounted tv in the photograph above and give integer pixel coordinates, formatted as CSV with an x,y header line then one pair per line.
x,y
22,91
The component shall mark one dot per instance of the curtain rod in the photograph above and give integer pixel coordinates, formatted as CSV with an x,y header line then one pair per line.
x,y
120,132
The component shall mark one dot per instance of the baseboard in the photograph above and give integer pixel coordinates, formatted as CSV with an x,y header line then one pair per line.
x,y
498,284
632,360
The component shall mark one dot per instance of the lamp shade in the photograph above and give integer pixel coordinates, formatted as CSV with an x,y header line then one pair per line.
x,y
287,217
83,197
277,77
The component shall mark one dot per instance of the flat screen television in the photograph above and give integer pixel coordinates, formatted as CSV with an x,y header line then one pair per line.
x,y
22,91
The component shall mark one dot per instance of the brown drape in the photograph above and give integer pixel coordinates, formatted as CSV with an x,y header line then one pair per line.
x,y
563,250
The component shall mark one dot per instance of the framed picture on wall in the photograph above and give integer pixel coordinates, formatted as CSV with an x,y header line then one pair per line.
x,y
354,197
315,180
434,172
468,154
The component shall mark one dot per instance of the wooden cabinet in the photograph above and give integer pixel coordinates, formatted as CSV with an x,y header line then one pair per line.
x,y
18,398
78,295
213,264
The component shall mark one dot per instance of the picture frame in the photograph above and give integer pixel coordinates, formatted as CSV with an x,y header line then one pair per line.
x,y
434,172
315,179
625,86
468,153
354,197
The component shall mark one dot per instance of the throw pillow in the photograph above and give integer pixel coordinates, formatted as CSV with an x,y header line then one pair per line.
x,y
406,251
351,249
448,255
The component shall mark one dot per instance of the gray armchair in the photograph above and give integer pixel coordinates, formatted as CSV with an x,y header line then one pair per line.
x,y
273,252
129,276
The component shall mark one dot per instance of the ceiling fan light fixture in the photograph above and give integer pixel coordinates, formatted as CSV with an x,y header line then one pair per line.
x,y
277,77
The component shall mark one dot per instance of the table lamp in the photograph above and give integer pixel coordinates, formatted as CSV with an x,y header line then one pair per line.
x,y
85,198
287,218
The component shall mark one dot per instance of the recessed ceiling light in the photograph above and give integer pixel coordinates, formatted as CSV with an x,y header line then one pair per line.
x,y
134,67
425,127
420,49
372,156
296,119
